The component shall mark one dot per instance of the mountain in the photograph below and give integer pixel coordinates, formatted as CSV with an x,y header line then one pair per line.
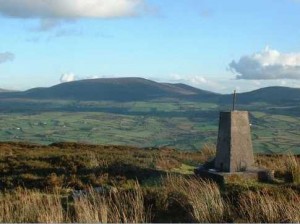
x,y
113,89
139,89
273,95
4,90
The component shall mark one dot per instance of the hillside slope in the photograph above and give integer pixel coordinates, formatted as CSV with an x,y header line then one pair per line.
x,y
4,90
273,95
112,89
139,89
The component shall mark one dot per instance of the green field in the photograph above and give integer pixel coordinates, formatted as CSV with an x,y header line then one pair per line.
x,y
106,128
179,124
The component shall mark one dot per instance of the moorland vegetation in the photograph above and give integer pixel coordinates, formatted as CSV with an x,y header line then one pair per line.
x,y
69,182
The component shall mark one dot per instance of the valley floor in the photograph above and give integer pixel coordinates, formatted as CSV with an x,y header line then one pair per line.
x,y
185,130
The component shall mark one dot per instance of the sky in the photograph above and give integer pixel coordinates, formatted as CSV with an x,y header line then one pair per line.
x,y
214,45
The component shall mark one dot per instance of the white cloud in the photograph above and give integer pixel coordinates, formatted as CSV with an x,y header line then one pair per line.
x,y
227,85
267,64
92,77
70,8
6,56
197,81
67,77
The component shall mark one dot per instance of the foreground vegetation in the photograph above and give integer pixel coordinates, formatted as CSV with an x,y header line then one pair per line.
x,y
68,182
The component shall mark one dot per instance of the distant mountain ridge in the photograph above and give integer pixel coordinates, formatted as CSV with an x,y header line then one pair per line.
x,y
114,89
4,90
273,95
140,89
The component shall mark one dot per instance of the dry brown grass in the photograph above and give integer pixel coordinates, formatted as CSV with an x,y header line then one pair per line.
x,y
208,151
116,207
292,169
285,166
204,197
179,199
166,163
262,207
31,206
200,199
91,208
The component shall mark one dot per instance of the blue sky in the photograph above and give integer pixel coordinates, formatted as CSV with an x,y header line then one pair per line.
x,y
210,44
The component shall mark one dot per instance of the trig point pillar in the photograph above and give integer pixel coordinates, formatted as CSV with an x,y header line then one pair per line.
x,y
234,147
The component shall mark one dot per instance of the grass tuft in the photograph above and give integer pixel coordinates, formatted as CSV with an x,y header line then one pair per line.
x,y
262,207
208,151
292,173
116,207
31,206
204,197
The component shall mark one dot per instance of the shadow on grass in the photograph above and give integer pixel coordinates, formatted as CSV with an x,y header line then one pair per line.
x,y
115,173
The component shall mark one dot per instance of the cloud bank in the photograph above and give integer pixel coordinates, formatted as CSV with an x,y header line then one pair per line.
x,y
67,77
225,85
198,81
72,9
6,56
267,64
70,77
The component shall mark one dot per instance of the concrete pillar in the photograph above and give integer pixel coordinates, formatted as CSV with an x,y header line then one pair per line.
x,y
234,147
